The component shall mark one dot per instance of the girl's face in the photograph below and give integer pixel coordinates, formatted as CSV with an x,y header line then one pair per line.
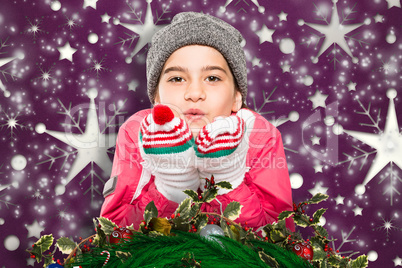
x,y
196,82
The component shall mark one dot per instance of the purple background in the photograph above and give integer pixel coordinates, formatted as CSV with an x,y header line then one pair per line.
x,y
36,82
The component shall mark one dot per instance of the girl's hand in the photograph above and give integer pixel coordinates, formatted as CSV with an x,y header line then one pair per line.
x,y
166,146
222,149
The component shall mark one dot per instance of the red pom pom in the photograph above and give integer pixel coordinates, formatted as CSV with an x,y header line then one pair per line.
x,y
162,114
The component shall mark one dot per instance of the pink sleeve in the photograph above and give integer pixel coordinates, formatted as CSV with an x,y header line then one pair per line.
x,y
268,176
131,188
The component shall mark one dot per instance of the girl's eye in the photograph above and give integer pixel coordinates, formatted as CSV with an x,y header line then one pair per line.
x,y
176,80
213,78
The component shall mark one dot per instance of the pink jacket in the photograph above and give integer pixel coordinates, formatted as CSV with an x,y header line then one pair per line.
x,y
264,193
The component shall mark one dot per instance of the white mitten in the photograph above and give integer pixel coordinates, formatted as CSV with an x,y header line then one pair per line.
x,y
222,151
167,148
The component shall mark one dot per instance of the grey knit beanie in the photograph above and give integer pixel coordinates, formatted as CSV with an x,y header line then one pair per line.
x,y
191,28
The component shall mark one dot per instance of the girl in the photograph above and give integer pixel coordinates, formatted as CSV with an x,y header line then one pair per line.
x,y
199,127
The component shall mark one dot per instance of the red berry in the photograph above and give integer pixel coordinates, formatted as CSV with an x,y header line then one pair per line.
x,y
90,240
308,240
162,114
178,214
266,238
172,216
337,251
311,220
80,238
146,228
245,223
328,255
33,257
246,228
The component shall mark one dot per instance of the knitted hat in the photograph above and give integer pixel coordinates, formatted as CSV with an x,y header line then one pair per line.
x,y
191,28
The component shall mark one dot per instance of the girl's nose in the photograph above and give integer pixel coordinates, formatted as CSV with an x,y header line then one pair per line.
x,y
195,92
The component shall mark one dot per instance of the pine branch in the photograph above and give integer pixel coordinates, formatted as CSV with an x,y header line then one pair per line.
x,y
138,18
391,188
366,111
334,51
3,44
67,112
159,18
323,16
266,100
53,159
116,113
345,18
360,41
345,240
318,38
7,203
351,159
131,38
5,72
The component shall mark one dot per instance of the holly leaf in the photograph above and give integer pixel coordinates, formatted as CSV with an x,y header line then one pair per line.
x,y
210,195
277,236
123,256
317,198
40,246
107,225
201,222
227,230
321,230
193,195
65,245
184,208
48,259
194,209
232,211
224,185
323,264
285,214
268,259
317,215
161,225
360,262
301,220
318,250
150,212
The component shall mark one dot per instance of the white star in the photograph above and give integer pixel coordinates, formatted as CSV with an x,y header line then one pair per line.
x,y
145,31
397,261
34,229
92,145
318,168
334,33
285,68
393,3
265,34
132,85
387,143
378,18
318,99
318,189
315,140
256,61
66,52
105,18
90,3
358,211
351,86
339,199
282,16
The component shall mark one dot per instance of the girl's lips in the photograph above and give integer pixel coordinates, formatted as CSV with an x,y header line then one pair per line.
x,y
194,114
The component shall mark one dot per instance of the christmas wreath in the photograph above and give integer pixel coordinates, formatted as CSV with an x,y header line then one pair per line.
x,y
192,238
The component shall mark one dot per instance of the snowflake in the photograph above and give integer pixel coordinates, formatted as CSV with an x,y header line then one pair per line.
x,y
34,28
387,226
11,124
98,67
